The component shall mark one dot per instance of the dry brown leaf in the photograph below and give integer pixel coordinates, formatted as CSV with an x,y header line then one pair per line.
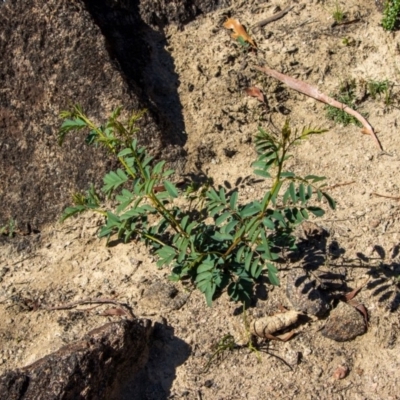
x,y
267,326
349,296
160,188
255,92
340,372
239,30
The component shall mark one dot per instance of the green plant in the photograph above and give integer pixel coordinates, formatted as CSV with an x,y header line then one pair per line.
x,y
9,228
346,95
377,88
338,14
227,342
206,235
391,15
244,46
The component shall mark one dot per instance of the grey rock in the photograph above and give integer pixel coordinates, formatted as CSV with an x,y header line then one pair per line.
x,y
345,323
93,368
304,294
98,53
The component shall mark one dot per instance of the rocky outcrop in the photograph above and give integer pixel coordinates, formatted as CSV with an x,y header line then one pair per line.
x,y
58,52
100,54
92,368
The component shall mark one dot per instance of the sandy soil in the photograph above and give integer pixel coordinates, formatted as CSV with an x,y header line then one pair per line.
x,y
67,262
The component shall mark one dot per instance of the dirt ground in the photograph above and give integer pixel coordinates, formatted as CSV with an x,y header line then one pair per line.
x,y
67,262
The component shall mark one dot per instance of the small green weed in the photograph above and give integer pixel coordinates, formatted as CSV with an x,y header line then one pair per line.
x,y
226,343
244,46
338,14
346,96
9,228
379,88
391,15
209,238
376,88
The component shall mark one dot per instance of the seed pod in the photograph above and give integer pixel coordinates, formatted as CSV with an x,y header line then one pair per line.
x,y
266,326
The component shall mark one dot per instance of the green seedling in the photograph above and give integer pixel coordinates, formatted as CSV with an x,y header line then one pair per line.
x,y
379,89
9,228
338,14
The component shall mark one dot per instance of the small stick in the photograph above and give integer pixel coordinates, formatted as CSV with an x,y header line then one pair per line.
x,y
272,18
313,92
68,306
339,185
386,197
353,21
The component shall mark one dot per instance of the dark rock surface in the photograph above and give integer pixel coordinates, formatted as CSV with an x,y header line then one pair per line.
x,y
100,54
163,12
345,323
93,368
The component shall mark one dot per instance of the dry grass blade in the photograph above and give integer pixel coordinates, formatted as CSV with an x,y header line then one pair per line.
x,y
313,92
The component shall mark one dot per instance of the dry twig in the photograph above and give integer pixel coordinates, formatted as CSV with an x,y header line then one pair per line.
x,y
336,185
272,18
313,92
386,197
68,306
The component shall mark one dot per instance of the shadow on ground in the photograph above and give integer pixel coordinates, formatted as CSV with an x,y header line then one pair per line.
x,y
154,380
146,65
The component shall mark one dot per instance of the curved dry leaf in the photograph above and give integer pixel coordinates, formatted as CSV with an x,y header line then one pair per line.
x,y
255,92
340,372
239,30
265,327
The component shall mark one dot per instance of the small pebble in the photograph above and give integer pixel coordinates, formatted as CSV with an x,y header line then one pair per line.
x,y
340,372
374,223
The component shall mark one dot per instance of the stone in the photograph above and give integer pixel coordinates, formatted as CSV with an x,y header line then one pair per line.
x,y
344,323
93,368
98,53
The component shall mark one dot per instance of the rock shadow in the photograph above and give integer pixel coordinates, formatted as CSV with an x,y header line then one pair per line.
x,y
154,380
148,68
